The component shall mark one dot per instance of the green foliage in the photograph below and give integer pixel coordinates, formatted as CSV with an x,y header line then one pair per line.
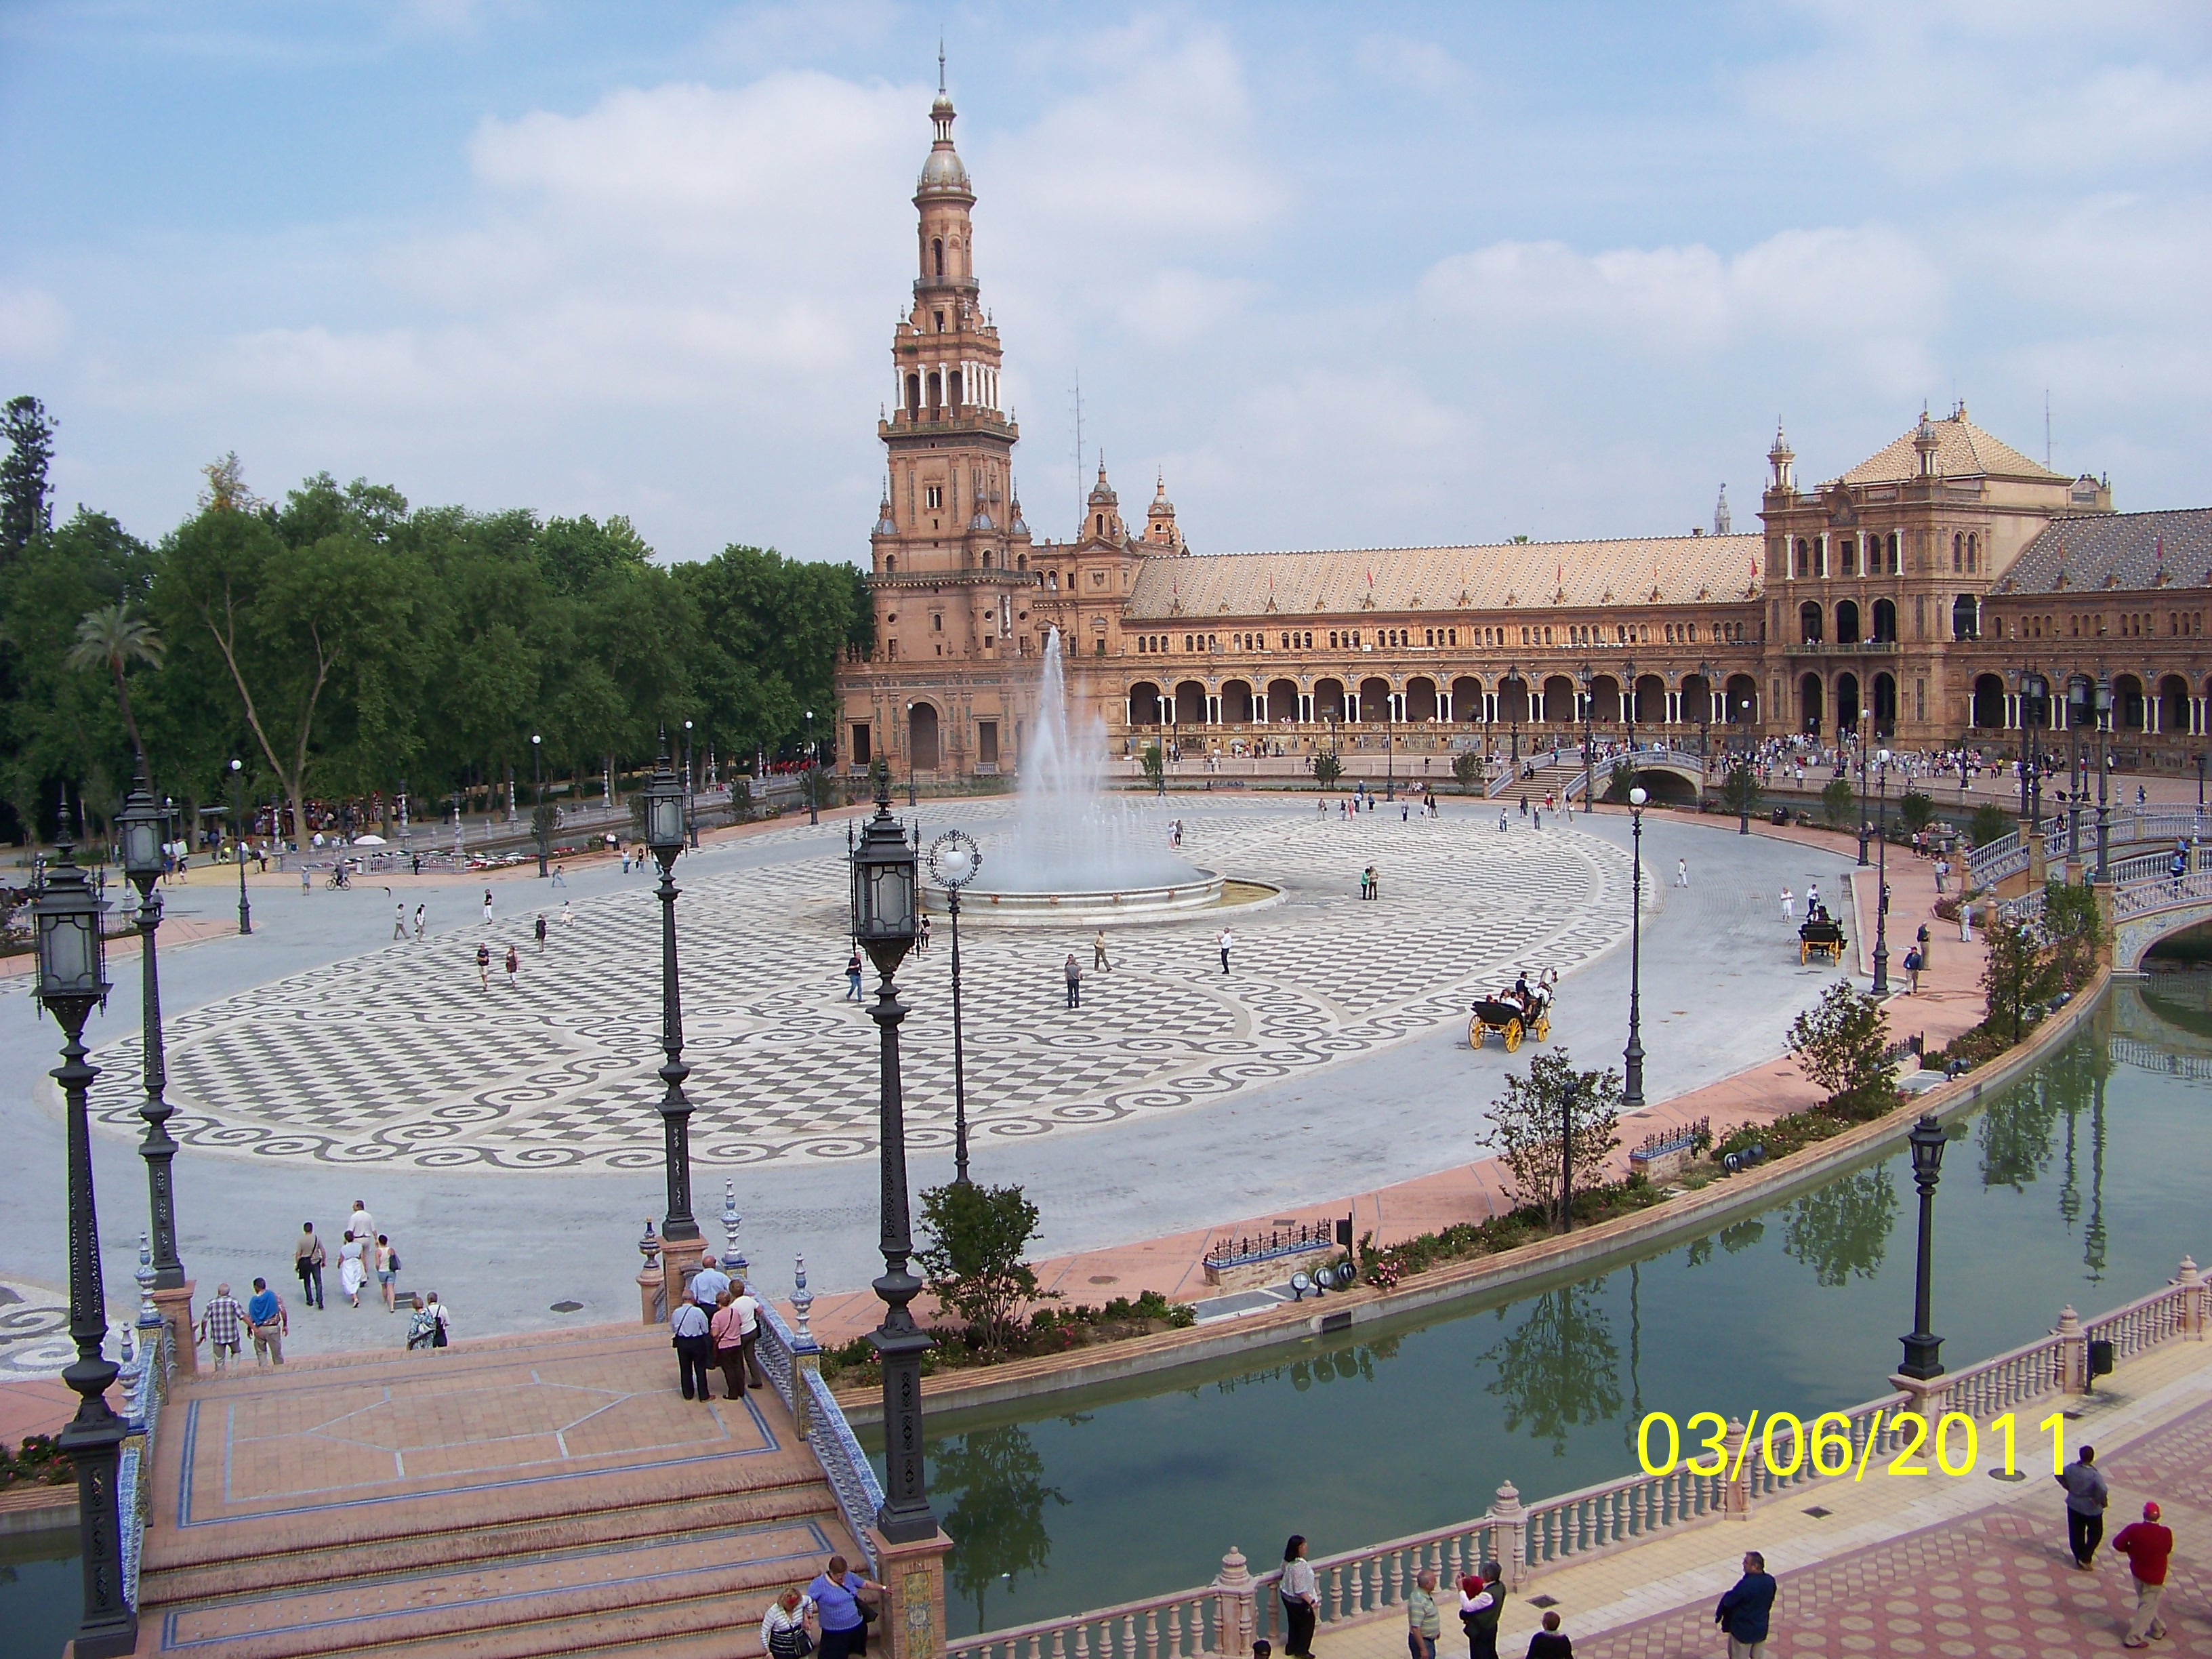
x,y
1990,823
1155,763
24,510
1467,768
1740,792
1617,785
1530,1119
1915,811
39,1461
1841,1044
1838,803
973,1263
994,1480
2075,931
1841,1229
1327,770
2020,973
112,639
1559,1369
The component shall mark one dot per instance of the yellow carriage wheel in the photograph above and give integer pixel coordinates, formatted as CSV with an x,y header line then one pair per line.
x,y
1476,1031
1543,1027
1512,1035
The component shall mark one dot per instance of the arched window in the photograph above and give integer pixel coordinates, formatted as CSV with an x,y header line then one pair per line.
x,y
937,253
1958,552
891,564
1965,619
1102,524
1850,558
1895,568
1804,557
1884,622
1808,624
1972,547
913,392
1847,628
936,389
1021,562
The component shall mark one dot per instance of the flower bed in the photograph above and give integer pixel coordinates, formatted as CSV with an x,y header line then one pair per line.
x,y
1383,1269
1050,1330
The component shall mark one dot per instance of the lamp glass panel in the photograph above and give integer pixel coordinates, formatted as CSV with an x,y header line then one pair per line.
x,y
890,900
667,818
67,959
142,844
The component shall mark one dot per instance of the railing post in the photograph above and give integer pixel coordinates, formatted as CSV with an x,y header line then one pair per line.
x,y
1735,1493
2073,1354
806,1352
2193,1296
1234,1622
1507,1522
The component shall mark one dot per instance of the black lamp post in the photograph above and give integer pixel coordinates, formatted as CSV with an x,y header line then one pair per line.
x,y
884,923
140,824
2077,715
911,799
1704,715
813,780
1588,677
71,980
690,812
2104,706
1924,1347
1863,758
1882,875
664,834
1631,1093
238,835
1389,747
538,787
1513,674
954,860
1628,716
2033,692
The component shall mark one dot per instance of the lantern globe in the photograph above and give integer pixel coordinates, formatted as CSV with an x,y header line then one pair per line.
x,y
141,825
664,814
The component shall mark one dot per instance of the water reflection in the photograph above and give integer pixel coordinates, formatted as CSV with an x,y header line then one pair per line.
x,y
1559,1369
996,1479
1840,1229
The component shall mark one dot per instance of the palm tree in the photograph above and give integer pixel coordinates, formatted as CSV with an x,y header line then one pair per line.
x,y
114,637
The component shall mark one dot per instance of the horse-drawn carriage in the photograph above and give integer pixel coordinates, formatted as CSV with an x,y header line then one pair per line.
x,y
1524,1011
1820,936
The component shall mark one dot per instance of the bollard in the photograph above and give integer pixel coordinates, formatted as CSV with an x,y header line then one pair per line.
x,y
1508,1520
2073,1354
1234,1622
2193,1312
806,1352
1735,1490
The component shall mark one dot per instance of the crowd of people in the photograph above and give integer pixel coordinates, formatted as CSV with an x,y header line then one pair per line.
x,y
366,1261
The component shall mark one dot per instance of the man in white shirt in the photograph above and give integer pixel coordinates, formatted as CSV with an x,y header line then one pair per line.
x,y
748,1310
361,1223
708,1283
694,1349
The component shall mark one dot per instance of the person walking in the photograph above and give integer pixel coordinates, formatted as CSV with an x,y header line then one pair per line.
x,y
783,1627
1098,951
1912,966
483,966
1502,825
922,943
1920,942
387,1273
422,925
1074,972
266,1318
1789,905
400,920
1744,1611
560,878
353,1270
1551,1643
1943,869
835,1593
441,1322
421,1324
513,966
2147,1543
308,1259
727,1348
1301,1593
487,907
852,978
1681,872
1221,942
1965,921
694,1347
1423,1625
2087,1495
747,1307
1480,1605
540,931
221,1322
359,1222
1812,897
307,882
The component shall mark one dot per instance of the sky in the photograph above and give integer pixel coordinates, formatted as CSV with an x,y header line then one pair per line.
x,y
1345,277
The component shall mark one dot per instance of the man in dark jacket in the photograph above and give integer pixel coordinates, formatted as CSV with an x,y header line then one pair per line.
x,y
1481,1601
1743,1611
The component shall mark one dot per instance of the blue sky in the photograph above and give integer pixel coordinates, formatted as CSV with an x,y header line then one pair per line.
x,y
1396,275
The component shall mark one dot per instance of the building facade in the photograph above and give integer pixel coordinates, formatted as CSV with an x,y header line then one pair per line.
x,y
1885,600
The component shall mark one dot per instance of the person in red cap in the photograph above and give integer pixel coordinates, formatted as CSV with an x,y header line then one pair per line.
x,y
2145,1544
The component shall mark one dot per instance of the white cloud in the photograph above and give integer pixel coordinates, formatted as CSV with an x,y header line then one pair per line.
x,y
33,325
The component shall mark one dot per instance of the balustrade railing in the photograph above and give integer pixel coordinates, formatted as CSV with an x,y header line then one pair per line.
x,y
786,1359
145,1378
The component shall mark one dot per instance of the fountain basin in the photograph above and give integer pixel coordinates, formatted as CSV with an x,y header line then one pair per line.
x,y
1203,891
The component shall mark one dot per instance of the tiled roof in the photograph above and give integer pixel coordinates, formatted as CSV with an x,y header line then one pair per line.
x,y
1963,450
1523,575
2116,550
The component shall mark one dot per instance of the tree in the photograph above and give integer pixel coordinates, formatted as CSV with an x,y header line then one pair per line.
x,y
1536,1111
973,1263
1740,792
1842,1228
24,510
1990,823
1842,1045
995,1482
1916,810
1838,803
2075,932
1327,770
1560,1370
114,637
1155,763
2018,974
1467,768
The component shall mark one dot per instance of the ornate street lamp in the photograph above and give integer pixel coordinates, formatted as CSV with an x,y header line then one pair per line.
x,y
71,980
690,817
1923,1347
954,860
238,835
2033,692
1631,1093
1588,678
884,925
1628,715
1882,875
1513,673
1704,716
2103,695
813,783
141,823
537,785
664,834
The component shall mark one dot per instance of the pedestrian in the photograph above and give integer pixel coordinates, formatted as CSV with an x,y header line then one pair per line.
x,y
560,878
747,1307
625,858
441,1322
1406,816
1920,942
694,1347
1480,1607
307,882
487,907
1074,971
359,1222
1374,882
924,930
1301,1593
1423,1625
852,977
707,1283
221,1322
1525,806
783,1627
422,925
1501,820
1221,943
1549,1643
1943,869
266,1318
1363,883
387,1272
2087,1494
835,1593
400,920
1098,950
1912,971
308,1259
1812,897
725,1343
513,966
540,931
1681,872
417,859
483,966
567,916
1743,1611
1966,922
421,1323
2147,1543
353,1271
1789,905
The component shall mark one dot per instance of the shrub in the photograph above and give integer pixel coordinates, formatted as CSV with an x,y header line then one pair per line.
x,y
1842,1045
1990,823
1740,793
1529,1120
1838,805
1467,768
2019,975
1327,770
2076,932
973,1262
1915,811
1154,764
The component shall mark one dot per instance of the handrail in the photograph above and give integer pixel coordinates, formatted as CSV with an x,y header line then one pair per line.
x,y
145,1378
783,1356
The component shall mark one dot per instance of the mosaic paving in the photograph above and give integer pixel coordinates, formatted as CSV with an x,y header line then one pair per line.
x,y
400,1057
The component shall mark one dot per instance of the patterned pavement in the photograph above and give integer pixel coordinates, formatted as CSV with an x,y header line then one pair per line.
x,y
399,1058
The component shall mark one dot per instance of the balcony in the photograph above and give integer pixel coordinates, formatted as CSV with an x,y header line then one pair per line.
x,y
1857,648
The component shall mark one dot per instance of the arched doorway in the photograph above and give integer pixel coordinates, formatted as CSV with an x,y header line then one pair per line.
x,y
1513,699
1809,703
1884,622
1988,710
1847,702
1605,700
1885,704
1145,703
2173,704
1697,699
1329,700
1650,700
1466,700
1420,698
1965,618
1190,703
1739,700
921,746
1808,624
1847,624
1236,702
2128,708
1375,700
1282,700
1559,700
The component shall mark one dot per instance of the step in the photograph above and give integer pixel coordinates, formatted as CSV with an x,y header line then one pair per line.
x,y
551,1602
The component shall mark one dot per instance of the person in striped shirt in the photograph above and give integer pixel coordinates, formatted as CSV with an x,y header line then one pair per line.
x,y
220,1323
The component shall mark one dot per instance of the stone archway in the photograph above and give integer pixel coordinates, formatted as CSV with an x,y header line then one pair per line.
x,y
923,749
1421,698
1144,704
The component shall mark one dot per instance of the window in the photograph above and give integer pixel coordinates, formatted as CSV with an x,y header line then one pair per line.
x,y
987,742
937,623
891,650
861,751
933,497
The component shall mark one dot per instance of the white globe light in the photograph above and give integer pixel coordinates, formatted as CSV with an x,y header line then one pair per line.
x,y
1637,798
957,864
1881,757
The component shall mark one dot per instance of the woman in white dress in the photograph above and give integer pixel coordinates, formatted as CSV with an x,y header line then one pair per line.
x,y
352,1274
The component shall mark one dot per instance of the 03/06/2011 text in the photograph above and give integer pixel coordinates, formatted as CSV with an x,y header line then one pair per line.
x,y
1785,1444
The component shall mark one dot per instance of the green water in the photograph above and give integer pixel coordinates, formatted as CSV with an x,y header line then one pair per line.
x,y
41,1592
2083,1183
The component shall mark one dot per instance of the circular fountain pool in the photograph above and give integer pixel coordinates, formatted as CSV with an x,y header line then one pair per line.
x,y
1078,907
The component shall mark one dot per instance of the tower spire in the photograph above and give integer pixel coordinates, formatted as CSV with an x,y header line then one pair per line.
x,y
940,66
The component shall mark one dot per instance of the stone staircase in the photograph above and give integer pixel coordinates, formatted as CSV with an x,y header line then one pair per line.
x,y
507,1498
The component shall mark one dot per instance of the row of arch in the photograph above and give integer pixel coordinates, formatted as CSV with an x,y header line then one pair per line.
x,y
2172,707
1879,620
1465,699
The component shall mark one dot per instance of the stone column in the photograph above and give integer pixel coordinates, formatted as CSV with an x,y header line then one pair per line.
x,y
175,1303
2038,866
2073,1354
913,1625
1234,1614
1507,1519
679,1259
650,1288
2193,1310
1928,1397
1735,1491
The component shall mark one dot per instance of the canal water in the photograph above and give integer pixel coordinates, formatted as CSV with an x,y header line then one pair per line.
x,y
2082,1183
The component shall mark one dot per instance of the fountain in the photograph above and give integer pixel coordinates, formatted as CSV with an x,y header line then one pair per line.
x,y
1074,856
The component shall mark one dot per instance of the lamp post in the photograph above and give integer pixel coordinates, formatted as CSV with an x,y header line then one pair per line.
x,y
884,923
954,860
1882,875
71,980
2033,691
1588,677
813,793
911,799
2077,714
537,787
1631,1093
691,813
1862,735
1923,1347
2103,706
1389,747
141,823
1513,673
664,834
238,835
1705,716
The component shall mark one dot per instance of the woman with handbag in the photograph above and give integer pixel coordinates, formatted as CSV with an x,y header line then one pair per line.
x,y
783,1627
839,1611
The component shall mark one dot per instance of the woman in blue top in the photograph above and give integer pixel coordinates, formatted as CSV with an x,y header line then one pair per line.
x,y
836,1595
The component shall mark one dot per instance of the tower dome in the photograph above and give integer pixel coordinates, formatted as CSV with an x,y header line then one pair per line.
x,y
942,174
